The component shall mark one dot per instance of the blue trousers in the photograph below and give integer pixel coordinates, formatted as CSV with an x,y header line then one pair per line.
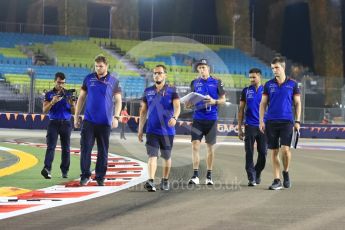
x,y
252,134
89,133
56,128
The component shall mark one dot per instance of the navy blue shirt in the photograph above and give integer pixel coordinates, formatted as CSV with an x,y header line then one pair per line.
x,y
160,109
61,110
280,99
212,87
252,97
99,101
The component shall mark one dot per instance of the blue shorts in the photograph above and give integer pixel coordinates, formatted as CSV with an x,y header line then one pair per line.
x,y
278,134
154,143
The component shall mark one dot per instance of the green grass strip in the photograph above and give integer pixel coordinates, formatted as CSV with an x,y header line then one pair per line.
x,y
31,178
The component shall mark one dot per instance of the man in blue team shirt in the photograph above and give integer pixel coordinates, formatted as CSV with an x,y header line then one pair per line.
x,y
280,94
250,102
98,90
205,118
161,108
59,106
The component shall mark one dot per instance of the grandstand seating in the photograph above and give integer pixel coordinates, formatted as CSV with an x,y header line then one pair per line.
x,y
74,57
10,40
231,65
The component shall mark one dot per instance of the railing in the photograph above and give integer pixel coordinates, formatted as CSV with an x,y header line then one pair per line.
x,y
105,33
316,115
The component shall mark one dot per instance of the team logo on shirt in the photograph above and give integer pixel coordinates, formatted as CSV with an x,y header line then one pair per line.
x,y
150,93
93,81
272,87
198,84
250,94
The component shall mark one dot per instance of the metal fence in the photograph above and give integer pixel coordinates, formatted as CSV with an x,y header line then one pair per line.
x,y
107,33
314,96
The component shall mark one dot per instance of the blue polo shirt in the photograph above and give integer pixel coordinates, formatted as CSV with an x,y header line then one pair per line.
x,y
252,98
60,110
212,87
99,101
160,109
280,99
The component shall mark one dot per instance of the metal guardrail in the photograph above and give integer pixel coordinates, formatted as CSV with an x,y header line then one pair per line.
x,y
106,33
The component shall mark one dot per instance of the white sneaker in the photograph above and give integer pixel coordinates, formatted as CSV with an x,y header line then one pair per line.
x,y
208,181
194,180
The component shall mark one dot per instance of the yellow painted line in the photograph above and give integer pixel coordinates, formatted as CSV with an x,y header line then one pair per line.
x,y
12,191
26,160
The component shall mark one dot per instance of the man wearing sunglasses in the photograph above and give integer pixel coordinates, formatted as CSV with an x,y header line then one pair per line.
x,y
98,90
160,107
59,109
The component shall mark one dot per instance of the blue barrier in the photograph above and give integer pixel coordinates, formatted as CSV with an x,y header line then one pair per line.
x,y
40,121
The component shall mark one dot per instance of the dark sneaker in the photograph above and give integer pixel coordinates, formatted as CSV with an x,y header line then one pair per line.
x,y
164,185
286,182
84,181
100,181
46,174
64,175
251,183
258,178
150,186
194,180
276,185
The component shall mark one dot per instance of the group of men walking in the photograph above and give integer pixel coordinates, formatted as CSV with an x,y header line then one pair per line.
x,y
160,110
269,121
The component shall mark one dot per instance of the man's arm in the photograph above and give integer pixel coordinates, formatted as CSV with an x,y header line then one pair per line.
x,y
240,119
221,92
221,100
47,105
298,109
117,110
177,110
79,107
263,105
71,102
142,120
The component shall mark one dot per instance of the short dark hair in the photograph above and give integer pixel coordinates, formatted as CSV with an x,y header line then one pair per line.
x,y
101,58
162,66
278,59
255,70
60,75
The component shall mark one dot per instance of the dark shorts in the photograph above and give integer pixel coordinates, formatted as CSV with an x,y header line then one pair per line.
x,y
278,134
155,142
207,128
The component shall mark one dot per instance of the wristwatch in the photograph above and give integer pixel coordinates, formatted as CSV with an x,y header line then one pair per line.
x,y
174,118
298,122
117,117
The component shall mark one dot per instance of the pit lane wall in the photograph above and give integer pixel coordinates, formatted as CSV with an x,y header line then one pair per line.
x,y
225,128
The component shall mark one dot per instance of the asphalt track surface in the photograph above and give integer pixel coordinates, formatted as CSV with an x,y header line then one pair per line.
x,y
315,201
